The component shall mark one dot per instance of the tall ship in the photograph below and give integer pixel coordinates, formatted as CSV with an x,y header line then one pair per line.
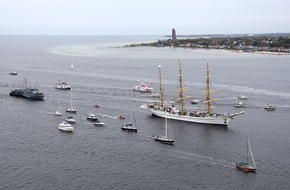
x,y
29,93
204,117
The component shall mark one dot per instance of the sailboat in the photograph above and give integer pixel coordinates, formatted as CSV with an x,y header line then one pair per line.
x,y
129,127
165,139
58,112
72,66
244,166
71,109
204,117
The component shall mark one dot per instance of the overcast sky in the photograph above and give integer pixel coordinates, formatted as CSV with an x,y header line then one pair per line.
x,y
143,17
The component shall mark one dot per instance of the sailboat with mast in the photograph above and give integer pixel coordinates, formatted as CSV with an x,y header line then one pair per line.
x,y
72,66
58,112
168,138
244,166
130,127
204,117
71,109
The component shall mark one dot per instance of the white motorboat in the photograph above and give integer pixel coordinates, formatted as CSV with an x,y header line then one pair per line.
x,y
270,108
204,117
195,101
155,95
58,113
92,117
242,97
99,123
239,104
64,126
143,87
70,119
62,85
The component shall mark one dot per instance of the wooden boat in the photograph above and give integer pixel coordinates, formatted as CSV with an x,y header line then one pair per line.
x,y
244,166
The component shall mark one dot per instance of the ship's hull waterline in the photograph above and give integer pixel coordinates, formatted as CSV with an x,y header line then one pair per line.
x,y
211,120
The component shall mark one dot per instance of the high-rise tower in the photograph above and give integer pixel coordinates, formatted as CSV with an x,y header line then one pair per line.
x,y
174,40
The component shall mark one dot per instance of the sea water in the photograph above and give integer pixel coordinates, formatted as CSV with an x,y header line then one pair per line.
x,y
36,155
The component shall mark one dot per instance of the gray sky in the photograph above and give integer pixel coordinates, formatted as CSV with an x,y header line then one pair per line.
x,y
146,17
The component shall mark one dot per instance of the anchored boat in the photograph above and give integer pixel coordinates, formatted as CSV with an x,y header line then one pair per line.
x,y
29,93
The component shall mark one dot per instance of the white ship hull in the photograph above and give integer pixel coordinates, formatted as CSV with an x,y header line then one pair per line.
x,y
215,119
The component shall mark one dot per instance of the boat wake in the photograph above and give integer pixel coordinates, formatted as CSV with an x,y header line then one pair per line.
x,y
250,90
206,159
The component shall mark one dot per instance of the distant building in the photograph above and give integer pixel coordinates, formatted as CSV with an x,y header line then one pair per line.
x,y
174,39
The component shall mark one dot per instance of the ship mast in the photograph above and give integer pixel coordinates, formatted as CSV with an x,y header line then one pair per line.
x,y
180,90
161,89
208,91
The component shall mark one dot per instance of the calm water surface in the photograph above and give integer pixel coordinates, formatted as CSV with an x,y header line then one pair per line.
x,y
36,155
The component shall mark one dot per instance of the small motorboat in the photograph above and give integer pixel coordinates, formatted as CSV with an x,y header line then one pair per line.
x,y
62,85
13,73
242,97
155,95
270,108
58,113
239,104
129,128
195,101
99,123
92,117
97,106
70,119
143,87
65,126
71,110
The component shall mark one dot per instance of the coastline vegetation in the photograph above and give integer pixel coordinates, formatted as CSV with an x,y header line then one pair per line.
x,y
244,43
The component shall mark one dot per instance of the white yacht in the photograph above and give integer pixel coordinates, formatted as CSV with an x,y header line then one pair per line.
x,y
64,126
62,85
239,104
92,117
143,87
